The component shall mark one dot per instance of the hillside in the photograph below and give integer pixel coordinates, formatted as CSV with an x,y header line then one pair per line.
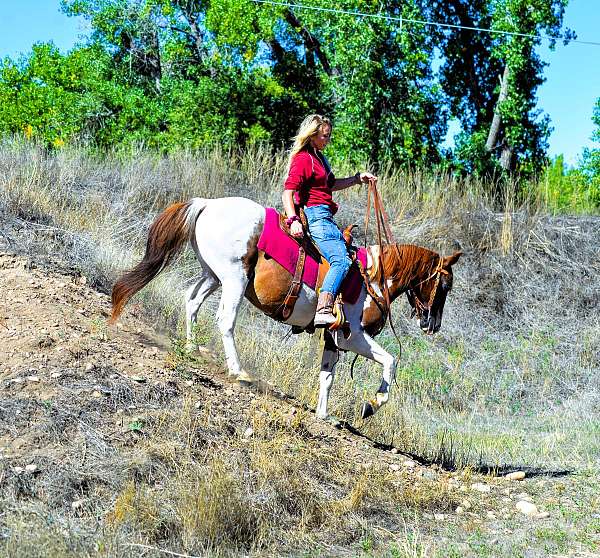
x,y
129,441
113,442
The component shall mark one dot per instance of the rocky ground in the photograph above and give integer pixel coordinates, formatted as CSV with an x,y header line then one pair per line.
x,y
79,398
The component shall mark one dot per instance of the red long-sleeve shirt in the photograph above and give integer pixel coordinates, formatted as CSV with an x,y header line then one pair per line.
x,y
312,180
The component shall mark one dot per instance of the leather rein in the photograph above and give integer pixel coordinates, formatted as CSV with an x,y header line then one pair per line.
x,y
383,225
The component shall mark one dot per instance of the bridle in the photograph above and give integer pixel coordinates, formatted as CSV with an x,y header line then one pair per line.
x,y
418,305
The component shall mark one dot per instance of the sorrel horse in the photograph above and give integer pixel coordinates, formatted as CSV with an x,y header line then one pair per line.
x,y
224,233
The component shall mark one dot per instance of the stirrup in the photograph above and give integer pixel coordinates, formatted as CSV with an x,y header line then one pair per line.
x,y
328,324
338,313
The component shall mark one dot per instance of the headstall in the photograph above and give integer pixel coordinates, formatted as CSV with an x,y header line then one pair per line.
x,y
419,305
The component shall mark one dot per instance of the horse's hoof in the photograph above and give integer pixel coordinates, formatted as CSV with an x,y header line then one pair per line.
x,y
367,410
333,421
245,379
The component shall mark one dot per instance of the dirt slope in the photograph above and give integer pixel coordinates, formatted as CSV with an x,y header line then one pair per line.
x,y
80,406
55,343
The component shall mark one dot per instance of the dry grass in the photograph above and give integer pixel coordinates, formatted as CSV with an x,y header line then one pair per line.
x,y
512,377
191,488
505,350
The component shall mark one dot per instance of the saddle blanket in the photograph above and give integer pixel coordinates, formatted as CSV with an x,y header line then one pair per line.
x,y
276,244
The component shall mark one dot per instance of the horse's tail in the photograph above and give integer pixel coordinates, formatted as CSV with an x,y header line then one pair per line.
x,y
166,237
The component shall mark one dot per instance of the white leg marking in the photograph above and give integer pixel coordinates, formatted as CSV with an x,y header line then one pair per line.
x,y
326,377
231,297
223,232
366,346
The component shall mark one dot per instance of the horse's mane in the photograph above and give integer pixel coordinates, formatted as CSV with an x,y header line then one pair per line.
x,y
402,262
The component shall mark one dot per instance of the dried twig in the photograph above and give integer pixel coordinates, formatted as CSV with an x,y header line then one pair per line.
x,y
171,553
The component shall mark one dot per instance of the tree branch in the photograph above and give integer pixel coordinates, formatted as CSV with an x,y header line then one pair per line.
x,y
495,126
311,43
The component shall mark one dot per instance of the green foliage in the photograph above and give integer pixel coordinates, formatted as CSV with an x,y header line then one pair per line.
x,y
171,73
576,189
54,99
387,105
47,96
466,59
479,60
222,110
523,130
471,156
590,164
569,189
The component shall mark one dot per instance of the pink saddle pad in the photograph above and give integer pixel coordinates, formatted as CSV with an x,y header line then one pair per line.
x,y
284,250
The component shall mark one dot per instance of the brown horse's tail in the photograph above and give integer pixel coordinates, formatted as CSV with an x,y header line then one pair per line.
x,y
166,237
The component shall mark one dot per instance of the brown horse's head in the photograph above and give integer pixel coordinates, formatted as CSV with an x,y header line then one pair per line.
x,y
427,295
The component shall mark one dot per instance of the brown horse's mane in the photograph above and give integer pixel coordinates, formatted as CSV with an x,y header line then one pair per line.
x,y
403,262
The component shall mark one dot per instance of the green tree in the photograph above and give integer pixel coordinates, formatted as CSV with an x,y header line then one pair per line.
x,y
517,131
237,70
491,79
374,78
205,91
197,72
590,164
56,98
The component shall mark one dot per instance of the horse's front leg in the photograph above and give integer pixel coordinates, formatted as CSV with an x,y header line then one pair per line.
x,y
326,376
361,343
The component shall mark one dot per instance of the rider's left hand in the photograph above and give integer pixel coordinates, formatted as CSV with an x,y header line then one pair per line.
x,y
366,177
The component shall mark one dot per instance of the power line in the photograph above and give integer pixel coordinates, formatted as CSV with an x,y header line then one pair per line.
x,y
402,20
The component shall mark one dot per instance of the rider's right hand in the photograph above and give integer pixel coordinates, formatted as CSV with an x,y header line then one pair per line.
x,y
296,229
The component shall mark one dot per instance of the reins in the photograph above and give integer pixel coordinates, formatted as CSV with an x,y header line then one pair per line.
x,y
382,220
383,224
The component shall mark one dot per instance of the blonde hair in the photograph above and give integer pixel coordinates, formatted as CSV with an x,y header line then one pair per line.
x,y
309,128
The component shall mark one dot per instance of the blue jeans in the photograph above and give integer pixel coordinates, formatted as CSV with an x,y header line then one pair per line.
x,y
330,241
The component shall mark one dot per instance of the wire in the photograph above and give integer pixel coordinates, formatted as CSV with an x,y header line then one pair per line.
x,y
402,20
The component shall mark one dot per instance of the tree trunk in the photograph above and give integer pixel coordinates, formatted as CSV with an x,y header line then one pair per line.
x,y
152,58
506,157
311,43
492,139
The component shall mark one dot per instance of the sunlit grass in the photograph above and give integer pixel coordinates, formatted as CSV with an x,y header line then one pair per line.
x,y
508,355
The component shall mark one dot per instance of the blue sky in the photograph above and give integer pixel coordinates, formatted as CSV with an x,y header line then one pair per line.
x,y
568,96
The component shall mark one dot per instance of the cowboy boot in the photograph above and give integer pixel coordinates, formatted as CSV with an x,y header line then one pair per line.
x,y
324,316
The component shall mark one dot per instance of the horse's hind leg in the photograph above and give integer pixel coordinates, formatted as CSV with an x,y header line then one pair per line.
x,y
364,345
327,374
206,284
231,297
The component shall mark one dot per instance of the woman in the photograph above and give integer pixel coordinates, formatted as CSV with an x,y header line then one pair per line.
x,y
309,184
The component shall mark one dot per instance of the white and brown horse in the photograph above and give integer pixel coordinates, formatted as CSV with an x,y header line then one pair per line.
x,y
224,233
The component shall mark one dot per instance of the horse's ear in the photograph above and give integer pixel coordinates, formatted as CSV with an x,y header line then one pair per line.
x,y
451,260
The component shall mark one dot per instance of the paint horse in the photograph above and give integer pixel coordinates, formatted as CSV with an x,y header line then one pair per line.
x,y
224,233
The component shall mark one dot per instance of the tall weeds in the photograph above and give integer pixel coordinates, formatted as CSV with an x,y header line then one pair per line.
x,y
517,359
